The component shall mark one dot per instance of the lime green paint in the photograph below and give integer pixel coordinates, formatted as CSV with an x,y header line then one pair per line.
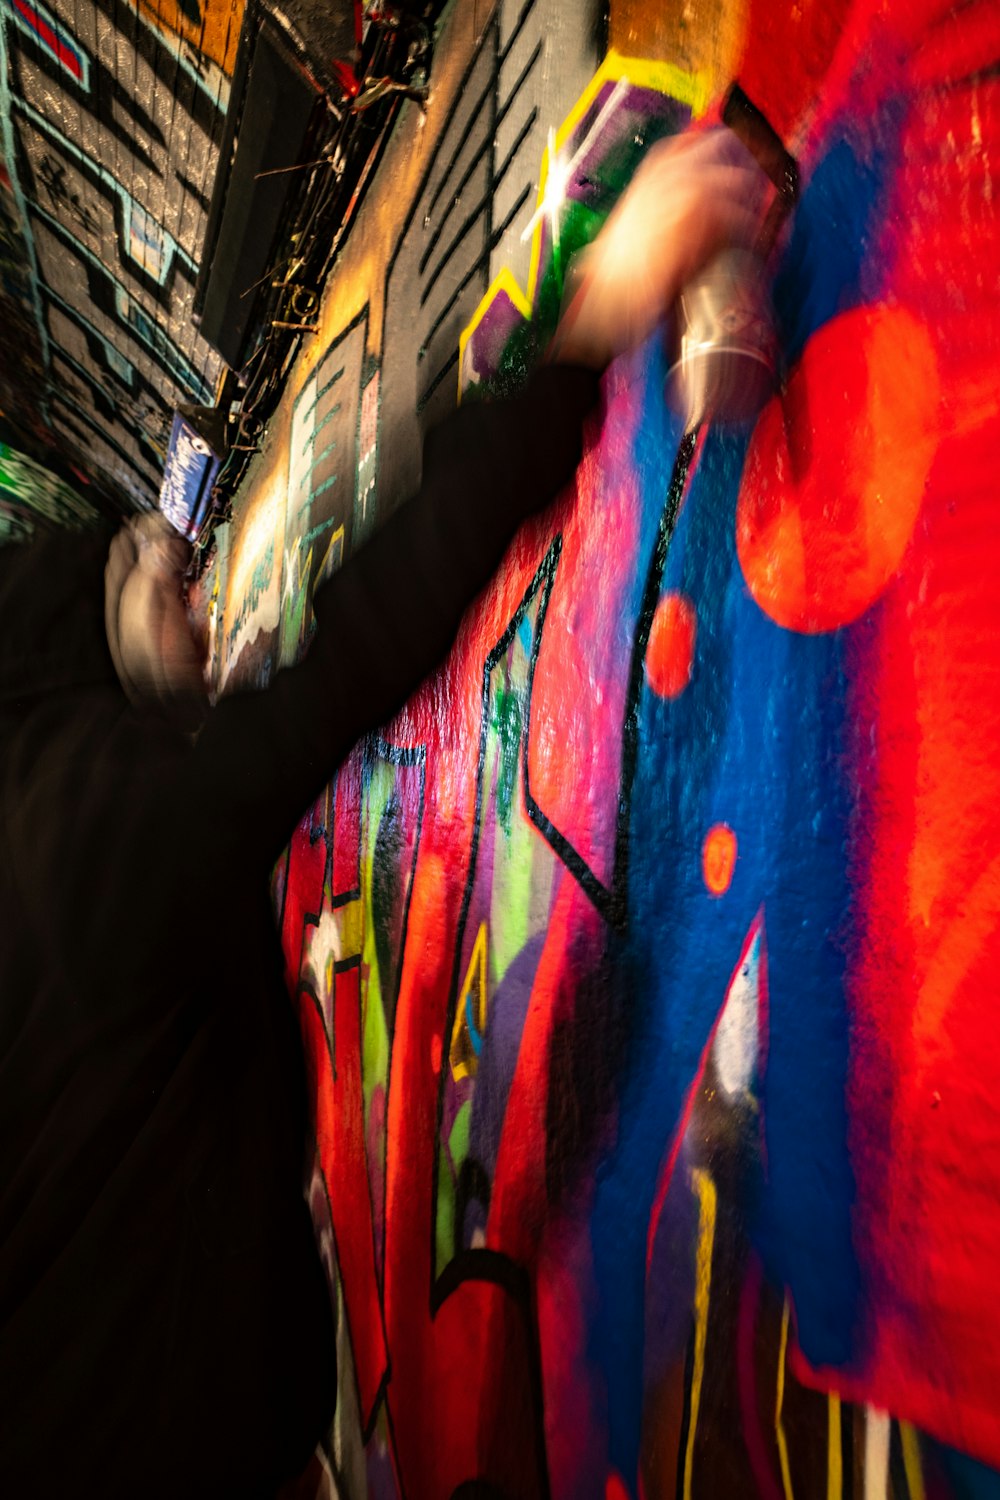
x,y
375,1033
445,1228
458,1141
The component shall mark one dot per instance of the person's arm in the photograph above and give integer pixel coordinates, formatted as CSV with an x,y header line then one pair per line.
x,y
389,616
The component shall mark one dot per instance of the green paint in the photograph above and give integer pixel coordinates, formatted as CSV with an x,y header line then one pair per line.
x,y
444,1234
458,1141
375,1035
506,720
522,870
522,878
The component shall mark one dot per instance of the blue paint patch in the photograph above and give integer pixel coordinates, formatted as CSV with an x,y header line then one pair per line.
x,y
966,1478
758,741
475,1036
827,267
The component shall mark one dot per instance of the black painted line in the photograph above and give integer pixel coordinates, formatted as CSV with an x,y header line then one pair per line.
x,y
442,374
471,123
519,83
630,731
610,901
519,25
483,260
439,231
475,213
544,575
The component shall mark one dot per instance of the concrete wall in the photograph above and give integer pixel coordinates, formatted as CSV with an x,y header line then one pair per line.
x,y
656,942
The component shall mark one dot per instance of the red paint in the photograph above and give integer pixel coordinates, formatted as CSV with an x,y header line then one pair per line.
x,y
66,55
578,696
304,875
519,1204
765,1478
835,475
670,650
718,858
461,1381
923,977
346,869
787,50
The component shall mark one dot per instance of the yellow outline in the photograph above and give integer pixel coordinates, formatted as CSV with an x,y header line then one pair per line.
x,y
786,1473
507,282
338,536
692,89
476,962
707,1198
912,1464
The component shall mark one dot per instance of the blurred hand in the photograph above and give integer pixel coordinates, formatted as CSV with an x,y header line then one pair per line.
x,y
157,658
692,196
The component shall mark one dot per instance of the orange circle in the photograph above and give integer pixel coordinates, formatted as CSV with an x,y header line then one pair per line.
x,y
670,650
718,858
835,473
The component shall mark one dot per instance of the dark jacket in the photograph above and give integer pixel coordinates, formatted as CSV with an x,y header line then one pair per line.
x,y
164,1320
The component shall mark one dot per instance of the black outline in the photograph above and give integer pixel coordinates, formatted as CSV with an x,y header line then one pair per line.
x,y
496,1267
474,270
611,901
543,579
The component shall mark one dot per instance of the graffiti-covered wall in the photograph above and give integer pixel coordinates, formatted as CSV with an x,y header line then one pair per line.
x,y
647,962
112,119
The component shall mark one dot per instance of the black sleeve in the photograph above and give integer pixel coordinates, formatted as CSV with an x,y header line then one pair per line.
x,y
388,618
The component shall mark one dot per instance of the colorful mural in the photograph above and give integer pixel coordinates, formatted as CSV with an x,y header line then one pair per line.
x,y
645,962
112,120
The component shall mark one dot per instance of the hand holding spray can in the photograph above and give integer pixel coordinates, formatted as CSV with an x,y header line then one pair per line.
x,y
723,344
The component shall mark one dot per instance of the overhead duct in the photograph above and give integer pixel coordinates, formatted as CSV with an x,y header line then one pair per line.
x,y
272,104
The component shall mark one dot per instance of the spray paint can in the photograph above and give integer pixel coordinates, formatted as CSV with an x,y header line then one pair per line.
x,y
725,356
723,344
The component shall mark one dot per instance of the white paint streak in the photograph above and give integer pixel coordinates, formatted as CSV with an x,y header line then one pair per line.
x,y
878,1428
736,1039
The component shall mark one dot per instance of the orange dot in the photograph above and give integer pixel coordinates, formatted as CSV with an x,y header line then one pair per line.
x,y
670,651
835,473
718,858
436,1052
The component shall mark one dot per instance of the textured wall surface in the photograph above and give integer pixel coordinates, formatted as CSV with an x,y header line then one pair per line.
x,y
112,118
647,963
